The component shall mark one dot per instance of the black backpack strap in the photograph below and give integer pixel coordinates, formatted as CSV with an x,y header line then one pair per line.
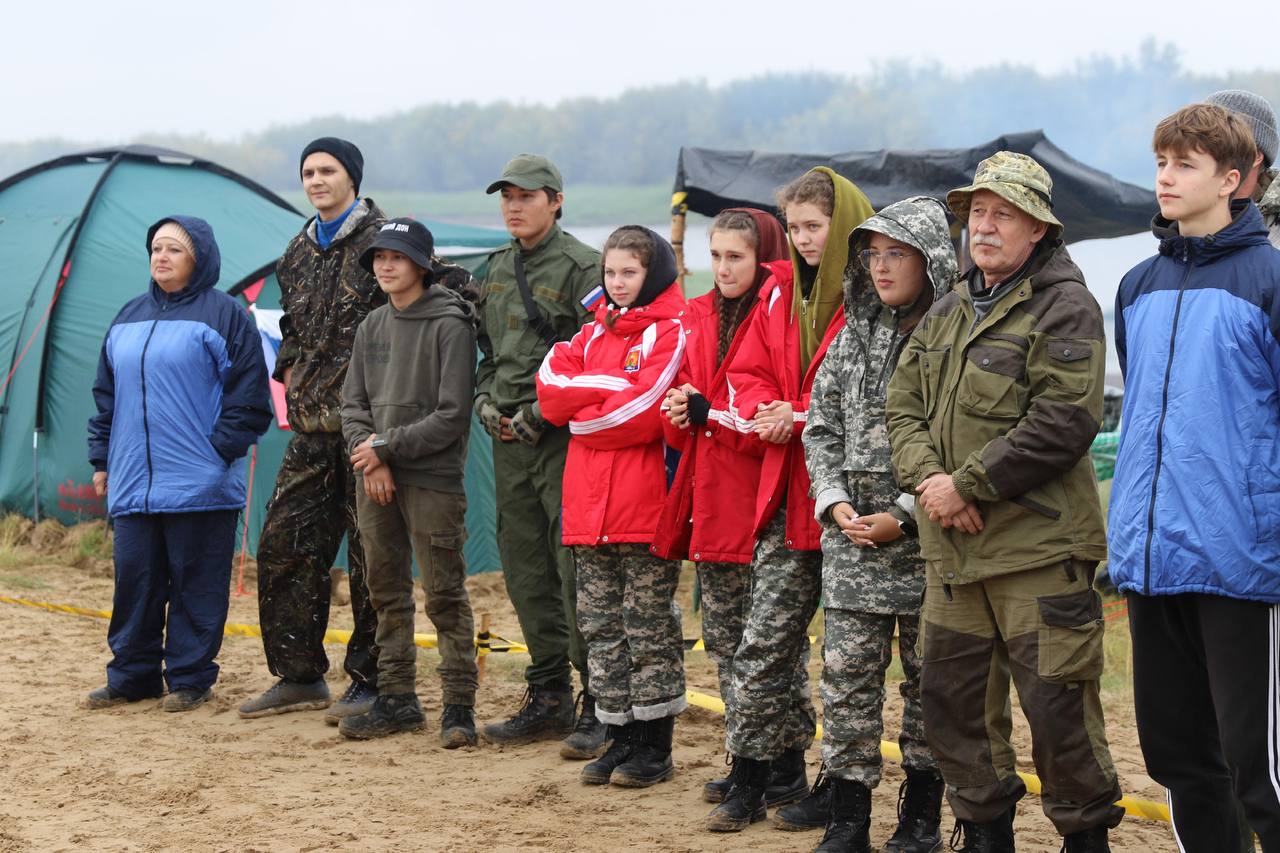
x,y
537,319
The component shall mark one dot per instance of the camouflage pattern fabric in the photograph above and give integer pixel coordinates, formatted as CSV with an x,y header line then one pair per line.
x,y
628,616
856,651
312,507
772,710
1268,200
430,525
325,293
1019,180
726,601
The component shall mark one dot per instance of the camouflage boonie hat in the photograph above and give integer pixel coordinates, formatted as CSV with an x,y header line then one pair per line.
x,y
529,172
1016,178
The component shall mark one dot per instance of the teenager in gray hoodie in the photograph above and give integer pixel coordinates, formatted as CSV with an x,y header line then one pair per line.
x,y
406,413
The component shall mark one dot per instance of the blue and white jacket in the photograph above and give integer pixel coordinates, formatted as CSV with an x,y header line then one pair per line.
x,y
181,394
1195,506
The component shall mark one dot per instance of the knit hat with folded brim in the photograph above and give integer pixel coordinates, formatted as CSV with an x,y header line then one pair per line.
x,y
1016,178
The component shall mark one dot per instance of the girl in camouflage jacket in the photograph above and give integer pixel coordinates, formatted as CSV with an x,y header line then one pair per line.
x,y
872,573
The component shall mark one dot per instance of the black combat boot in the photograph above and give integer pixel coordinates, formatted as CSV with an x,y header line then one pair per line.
x,y
650,760
589,736
994,836
919,813
809,813
787,781
599,771
389,715
849,829
1092,840
546,712
744,804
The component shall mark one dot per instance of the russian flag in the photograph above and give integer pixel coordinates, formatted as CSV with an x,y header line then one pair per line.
x,y
589,301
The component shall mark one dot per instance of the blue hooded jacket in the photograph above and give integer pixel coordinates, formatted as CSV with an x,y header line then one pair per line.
x,y
1195,505
181,393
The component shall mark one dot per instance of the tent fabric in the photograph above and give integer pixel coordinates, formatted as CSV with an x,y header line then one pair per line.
x,y
72,253
1090,203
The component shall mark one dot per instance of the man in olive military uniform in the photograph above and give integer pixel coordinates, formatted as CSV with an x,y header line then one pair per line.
x,y
325,294
991,412
518,324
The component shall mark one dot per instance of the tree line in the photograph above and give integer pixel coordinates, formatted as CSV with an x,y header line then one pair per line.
x,y
1102,111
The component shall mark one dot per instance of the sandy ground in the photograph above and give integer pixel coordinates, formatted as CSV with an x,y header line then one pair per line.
x,y
136,778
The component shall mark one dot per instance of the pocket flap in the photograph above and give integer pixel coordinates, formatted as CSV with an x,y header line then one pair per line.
x,y
449,540
1071,610
1000,360
1068,350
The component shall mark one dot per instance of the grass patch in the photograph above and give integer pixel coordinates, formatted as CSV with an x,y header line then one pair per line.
x,y
585,204
18,581
95,543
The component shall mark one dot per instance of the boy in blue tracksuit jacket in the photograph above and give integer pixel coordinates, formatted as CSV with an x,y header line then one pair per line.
x,y
1194,522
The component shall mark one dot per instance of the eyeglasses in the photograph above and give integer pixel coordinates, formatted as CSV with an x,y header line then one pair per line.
x,y
890,258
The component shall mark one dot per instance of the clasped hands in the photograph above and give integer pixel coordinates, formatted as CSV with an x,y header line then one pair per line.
x,y
938,497
378,482
773,422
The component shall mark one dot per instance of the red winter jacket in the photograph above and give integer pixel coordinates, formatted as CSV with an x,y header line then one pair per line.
x,y
767,368
709,514
608,384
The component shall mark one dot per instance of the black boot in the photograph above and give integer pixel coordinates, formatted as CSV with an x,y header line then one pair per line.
x,y
811,812
389,714
919,813
589,736
744,805
599,771
546,712
1092,840
787,781
849,829
650,761
995,836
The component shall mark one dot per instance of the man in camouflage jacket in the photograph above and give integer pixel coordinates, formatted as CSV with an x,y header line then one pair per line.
x,y
991,412
325,294
868,590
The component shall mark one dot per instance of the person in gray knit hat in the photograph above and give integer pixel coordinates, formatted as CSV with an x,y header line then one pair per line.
x,y
1259,183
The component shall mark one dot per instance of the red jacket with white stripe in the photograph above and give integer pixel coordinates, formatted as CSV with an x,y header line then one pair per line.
x,y
608,384
767,368
711,505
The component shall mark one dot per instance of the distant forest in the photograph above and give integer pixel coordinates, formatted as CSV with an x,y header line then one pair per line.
x,y
1102,112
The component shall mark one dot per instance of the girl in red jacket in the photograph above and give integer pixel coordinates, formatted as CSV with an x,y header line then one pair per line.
x,y
608,384
709,514
769,378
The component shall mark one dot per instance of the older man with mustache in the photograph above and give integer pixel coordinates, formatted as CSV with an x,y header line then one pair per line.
x,y
991,412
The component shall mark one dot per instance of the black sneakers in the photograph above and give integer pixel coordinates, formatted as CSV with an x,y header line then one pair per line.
x,y
356,699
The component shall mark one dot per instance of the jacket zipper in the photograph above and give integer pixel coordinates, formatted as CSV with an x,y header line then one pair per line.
x,y
1164,410
146,427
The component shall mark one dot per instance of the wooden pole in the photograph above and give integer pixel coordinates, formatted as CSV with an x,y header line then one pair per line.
x,y
483,651
678,211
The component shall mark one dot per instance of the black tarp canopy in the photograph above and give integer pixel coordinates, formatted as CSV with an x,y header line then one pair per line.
x,y
1089,202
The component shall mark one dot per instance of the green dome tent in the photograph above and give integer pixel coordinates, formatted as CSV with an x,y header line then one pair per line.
x,y
72,234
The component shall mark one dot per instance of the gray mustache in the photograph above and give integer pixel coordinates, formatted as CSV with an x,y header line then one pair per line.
x,y
988,240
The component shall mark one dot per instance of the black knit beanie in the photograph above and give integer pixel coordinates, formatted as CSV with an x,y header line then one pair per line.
x,y
343,151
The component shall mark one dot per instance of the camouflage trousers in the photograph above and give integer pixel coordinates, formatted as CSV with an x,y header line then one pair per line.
x,y
629,618
1042,627
856,650
726,601
772,711
429,525
312,507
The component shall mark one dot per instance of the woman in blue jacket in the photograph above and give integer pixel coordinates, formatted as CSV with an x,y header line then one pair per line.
x,y
181,395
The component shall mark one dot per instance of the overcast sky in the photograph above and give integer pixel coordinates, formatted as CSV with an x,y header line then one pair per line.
x,y
110,71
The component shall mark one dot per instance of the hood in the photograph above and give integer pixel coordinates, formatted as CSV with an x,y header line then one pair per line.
x,y
920,222
850,210
626,321
773,240
436,302
660,273
1246,229
208,258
